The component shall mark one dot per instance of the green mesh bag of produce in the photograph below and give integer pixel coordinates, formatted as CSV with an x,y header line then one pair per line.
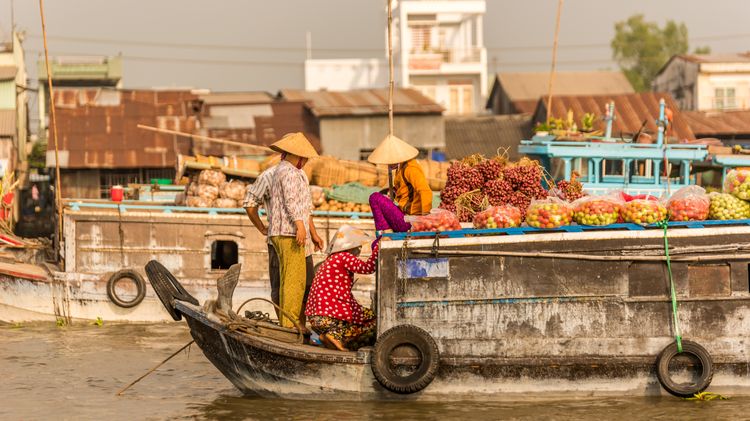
x,y
351,192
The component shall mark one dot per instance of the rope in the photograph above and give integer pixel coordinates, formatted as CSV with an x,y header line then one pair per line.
x,y
678,338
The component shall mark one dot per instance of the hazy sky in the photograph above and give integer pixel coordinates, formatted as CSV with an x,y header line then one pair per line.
x,y
260,45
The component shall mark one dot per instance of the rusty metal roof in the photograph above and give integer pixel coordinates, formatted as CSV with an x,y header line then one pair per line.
x,y
8,123
718,124
98,129
8,72
631,110
716,58
486,135
230,98
363,102
257,124
532,85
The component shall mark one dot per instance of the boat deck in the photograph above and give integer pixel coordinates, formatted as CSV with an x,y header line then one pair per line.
x,y
568,228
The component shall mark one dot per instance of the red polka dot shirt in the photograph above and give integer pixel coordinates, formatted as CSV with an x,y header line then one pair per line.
x,y
331,290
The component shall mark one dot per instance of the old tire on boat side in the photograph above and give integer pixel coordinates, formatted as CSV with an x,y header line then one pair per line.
x,y
680,389
418,339
140,286
167,288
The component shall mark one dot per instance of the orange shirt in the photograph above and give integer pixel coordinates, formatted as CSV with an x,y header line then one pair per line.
x,y
413,193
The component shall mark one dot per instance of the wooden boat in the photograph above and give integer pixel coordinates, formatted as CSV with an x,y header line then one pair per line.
x,y
106,246
578,311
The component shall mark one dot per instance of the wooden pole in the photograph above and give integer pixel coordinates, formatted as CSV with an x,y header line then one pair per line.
x,y
206,138
554,61
53,124
153,369
390,90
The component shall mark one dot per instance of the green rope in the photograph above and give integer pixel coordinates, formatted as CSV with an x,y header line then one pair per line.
x,y
678,338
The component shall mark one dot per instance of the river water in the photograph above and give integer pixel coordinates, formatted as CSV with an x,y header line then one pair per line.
x,y
50,372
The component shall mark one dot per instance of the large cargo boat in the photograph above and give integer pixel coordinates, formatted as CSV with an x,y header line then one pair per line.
x,y
499,313
106,246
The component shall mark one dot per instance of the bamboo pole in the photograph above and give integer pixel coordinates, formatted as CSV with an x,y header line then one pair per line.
x,y
153,369
554,61
391,193
390,68
588,257
53,124
206,138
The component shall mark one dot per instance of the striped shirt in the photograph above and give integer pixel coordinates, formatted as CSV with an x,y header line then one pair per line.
x,y
290,202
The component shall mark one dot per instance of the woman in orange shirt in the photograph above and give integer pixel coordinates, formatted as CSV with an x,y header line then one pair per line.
x,y
412,191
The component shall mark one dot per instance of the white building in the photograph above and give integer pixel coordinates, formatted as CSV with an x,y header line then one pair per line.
x,y
438,48
13,106
703,82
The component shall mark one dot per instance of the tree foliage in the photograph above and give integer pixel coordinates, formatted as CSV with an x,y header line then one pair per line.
x,y
38,155
641,48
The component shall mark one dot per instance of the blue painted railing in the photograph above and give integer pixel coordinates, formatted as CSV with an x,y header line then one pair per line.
x,y
568,228
124,207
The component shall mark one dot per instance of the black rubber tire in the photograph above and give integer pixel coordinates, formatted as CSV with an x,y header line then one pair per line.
x,y
405,335
683,390
139,284
167,288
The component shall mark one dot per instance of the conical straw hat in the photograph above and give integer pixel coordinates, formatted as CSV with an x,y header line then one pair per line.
x,y
295,144
346,238
392,150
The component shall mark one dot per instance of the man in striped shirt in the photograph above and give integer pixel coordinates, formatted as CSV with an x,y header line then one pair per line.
x,y
259,194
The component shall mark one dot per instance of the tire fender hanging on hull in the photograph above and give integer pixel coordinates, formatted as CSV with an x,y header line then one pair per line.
x,y
137,279
684,390
409,341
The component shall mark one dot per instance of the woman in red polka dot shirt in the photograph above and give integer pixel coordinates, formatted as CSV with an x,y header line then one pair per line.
x,y
332,310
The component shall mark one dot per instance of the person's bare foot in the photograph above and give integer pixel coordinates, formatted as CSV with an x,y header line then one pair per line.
x,y
339,346
326,343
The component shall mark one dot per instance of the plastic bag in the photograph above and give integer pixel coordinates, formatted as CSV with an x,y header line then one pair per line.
x,y
234,190
689,203
208,192
212,177
198,202
438,220
317,195
224,203
737,183
597,210
549,213
505,216
725,206
644,211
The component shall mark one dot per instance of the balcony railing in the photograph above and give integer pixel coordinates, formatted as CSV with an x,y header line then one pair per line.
x,y
432,59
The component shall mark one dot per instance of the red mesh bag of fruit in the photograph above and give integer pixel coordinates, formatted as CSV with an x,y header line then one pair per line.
x,y
690,203
597,210
438,220
549,213
498,217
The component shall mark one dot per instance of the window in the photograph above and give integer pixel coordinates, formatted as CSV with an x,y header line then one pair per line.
x,y
724,98
421,38
461,99
223,254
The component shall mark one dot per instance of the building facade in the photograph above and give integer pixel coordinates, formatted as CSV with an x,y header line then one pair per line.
x,y
707,82
438,48
352,123
13,107
441,49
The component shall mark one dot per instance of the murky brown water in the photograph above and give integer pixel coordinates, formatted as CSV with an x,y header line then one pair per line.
x,y
73,373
